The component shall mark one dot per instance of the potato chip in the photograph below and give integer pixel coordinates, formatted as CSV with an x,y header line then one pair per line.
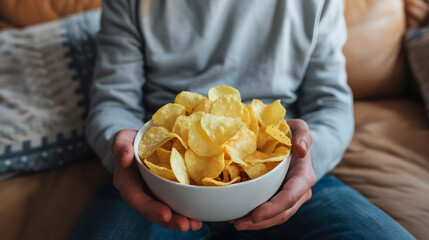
x,y
182,127
253,121
172,135
189,100
152,139
196,117
259,157
225,172
219,91
163,156
233,171
153,158
256,157
200,143
263,138
200,167
280,136
183,124
203,106
166,116
167,145
212,182
245,118
281,152
161,171
242,144
283,126
215,140
244,176
227,106
179,167
256,170
177,144
269,146
271,165
270,114
219,129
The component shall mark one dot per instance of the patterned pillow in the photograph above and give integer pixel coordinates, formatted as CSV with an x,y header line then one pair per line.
x,y
417,41
45,72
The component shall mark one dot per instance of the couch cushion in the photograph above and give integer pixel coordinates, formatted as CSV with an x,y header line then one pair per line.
x,y
375,62
417,12
388,161
22,13
48,204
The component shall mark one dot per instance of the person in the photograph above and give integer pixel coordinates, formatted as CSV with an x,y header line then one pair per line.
x,y
149,51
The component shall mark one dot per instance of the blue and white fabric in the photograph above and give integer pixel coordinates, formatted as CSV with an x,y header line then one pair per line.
x,y
45,72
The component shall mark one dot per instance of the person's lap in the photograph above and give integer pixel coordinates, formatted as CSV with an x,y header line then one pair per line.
x,y
335,211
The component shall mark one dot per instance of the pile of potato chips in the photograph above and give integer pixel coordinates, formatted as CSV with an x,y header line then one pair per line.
x,y
215,140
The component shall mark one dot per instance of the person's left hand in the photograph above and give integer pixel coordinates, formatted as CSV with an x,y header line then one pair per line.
x,y
296,189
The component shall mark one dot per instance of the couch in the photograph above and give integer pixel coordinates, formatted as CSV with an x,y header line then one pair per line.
x,y
387,160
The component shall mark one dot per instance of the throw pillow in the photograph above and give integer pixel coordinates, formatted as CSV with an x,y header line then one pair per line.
x,y
45,72
417,42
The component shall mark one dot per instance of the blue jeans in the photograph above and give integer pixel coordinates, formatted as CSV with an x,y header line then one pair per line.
x,y
335,211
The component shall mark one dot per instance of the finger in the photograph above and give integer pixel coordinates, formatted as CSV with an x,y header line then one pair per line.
x,y
247,223
291,193
301,137
184,224
195,224
173,224
128,183
153,210
179,222
299,180
122,147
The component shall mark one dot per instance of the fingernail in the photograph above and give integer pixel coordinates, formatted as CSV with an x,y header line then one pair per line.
x,y
241,226
303,145
165,218
124,154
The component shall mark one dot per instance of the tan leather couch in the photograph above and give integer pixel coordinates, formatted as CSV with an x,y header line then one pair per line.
x,y
387,161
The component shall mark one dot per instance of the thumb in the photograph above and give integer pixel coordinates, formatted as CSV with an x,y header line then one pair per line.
x,y
301,137
122,147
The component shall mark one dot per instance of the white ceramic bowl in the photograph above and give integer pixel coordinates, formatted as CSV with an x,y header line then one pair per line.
x,y
212,204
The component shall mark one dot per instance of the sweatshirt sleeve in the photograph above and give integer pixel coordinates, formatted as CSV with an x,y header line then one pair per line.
x,y
116,91
326,102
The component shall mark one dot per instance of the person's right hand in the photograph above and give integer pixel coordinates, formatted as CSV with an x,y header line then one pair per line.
x,y
127,180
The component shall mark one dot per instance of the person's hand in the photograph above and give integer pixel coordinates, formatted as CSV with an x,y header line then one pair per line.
x,y
296,189
127,180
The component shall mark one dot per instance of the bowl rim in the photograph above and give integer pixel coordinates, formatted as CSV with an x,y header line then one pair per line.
x,y
136,143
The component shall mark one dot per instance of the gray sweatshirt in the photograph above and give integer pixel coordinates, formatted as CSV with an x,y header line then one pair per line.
x,y
149,51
